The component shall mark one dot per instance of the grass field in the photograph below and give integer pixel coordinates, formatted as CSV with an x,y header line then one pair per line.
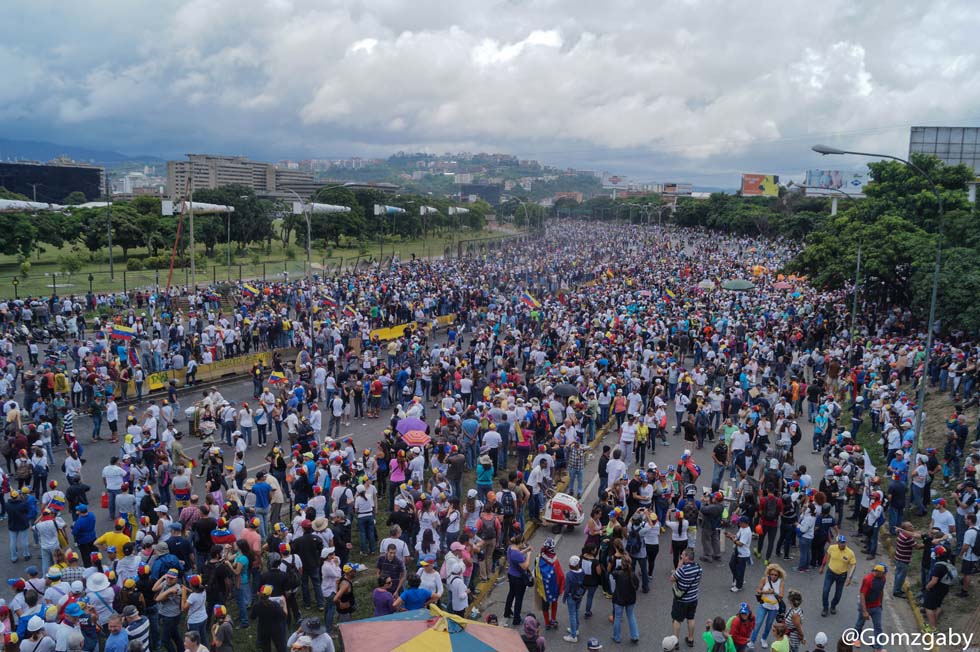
x,y
255,263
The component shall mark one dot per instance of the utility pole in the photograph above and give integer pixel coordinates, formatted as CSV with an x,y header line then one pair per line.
x,y
108,223
190,183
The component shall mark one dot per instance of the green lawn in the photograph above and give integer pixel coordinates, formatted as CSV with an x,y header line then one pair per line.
x,y
256,263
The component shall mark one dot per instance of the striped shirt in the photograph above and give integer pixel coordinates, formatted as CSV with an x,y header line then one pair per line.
x,y
139,630
688,580
68,423
903,548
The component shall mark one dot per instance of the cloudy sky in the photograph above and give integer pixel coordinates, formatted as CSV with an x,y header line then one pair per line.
x,y
696,90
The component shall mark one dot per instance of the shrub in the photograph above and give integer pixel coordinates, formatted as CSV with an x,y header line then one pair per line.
x,y
134,264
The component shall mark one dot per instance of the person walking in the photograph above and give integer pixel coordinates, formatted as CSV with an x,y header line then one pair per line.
x,y
550,582
741,553
574,591
518,561
794,621
838,565
770,594
687,585
869,603
624,601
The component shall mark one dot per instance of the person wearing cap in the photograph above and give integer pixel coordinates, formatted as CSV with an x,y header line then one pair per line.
x,y
870,600
18,524
307,547
572,596
51,530
168,600
741,552
222,630
271,619
740,627
838,566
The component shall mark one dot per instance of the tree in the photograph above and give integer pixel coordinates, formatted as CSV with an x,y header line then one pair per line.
x,y
19,234
74,198
251,221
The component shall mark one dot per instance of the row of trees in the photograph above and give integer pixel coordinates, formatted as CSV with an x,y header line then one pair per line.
x,y
137,223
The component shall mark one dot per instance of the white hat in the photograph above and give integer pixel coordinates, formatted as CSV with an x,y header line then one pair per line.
x,y
359,489
36,623
471,493
774,463
574,560
161,508
669,643
97,582
820,638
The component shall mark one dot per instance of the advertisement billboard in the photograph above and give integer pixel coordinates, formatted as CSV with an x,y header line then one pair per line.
x,y
760,185
833,182
614,181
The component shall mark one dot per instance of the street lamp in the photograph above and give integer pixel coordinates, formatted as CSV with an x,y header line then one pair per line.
x,y
15,283
921,393
90,279
306,214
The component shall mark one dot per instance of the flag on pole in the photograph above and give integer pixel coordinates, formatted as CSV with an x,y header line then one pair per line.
x,y
330,303
134,359
349,310
529,300
669,296
250,290
277,377
122,332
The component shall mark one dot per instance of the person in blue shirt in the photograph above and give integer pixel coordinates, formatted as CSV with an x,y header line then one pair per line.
x,y
414,597
118,639
263,492
83,531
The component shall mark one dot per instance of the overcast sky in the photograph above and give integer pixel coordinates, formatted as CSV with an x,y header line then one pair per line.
x,y
682,90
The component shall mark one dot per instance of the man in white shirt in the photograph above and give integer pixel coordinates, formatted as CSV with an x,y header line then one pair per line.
x,y
336,416
627,436
316,420
616,467
740,555
535,480
112,418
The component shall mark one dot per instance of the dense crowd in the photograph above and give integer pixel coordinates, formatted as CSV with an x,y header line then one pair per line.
x,y
614,329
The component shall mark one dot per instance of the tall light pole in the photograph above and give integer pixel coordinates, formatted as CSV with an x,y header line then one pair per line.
x,y
108,222
921,393
306,214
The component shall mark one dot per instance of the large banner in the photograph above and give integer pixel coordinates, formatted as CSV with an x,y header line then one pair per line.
x,y
833,182
760,185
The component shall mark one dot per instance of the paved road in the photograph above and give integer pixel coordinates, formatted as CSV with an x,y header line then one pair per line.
x,y
652,609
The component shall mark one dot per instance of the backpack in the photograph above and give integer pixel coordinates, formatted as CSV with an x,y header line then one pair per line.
x,y
976,542
691,513
718,646
771,510
292,577
488,530
507,503
634,543
951,577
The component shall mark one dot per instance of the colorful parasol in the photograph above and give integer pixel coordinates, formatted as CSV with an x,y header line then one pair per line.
x,y
416,438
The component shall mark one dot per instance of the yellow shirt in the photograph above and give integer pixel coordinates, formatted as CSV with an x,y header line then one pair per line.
x,y
840,561
117,539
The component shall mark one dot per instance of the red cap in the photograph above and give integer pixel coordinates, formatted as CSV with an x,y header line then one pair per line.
x,y
306,523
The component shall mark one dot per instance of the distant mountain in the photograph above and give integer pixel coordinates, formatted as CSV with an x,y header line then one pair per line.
x,y
32,150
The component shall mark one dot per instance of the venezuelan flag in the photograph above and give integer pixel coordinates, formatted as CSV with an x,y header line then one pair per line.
x,y
349,310
57,503
529,300
134,360
122,332
552,419
277,377
250,290
330,303
668,295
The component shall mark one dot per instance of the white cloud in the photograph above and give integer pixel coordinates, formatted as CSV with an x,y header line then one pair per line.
x,y
687,86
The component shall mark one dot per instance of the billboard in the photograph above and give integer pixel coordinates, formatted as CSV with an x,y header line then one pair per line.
x,y
951,145
615,181
833,182
760,185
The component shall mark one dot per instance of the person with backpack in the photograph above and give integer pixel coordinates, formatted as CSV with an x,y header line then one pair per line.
x,y
942,575
624,601
770,510
871,595
636,547
572,596
715,637
969,554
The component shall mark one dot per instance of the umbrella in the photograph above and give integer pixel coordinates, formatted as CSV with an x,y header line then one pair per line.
x,y
738,284
410,423
707,284
782,285
565,390
428,630
416,438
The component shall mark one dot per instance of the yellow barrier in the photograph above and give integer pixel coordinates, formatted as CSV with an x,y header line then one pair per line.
x,y
445,320
207,372
391,332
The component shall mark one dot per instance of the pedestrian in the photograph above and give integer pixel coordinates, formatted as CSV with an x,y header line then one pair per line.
x,y
550,582
869,603
625,585
687,585
942,575
270,618
970,554
715,637
518,561
905,543
839,564
741,626
794,621
741,552
572,596
769,593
